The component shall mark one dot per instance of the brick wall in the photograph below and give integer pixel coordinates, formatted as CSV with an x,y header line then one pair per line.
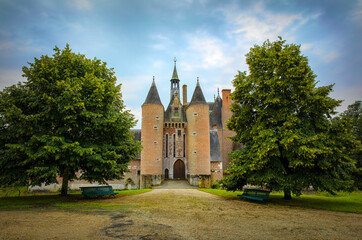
x,y
198,140
225,143
152,139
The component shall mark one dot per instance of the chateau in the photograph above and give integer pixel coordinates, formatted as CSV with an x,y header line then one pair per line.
x,y
187,140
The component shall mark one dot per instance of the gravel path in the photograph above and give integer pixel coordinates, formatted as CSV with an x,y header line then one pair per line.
x,y
183,214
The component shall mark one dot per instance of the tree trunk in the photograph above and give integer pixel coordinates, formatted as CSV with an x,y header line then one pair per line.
x,y
64,191
287,194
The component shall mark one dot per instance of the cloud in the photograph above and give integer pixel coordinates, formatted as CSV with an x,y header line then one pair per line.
x,y
137,112
132,86
330,56
208,51
357,13
305,47
348,94
160,42
83,5
10,77
258,24
5,45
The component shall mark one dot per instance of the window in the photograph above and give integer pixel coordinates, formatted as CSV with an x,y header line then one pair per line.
x,y
155,127
184,145
166,145
179,132
174,145
195,114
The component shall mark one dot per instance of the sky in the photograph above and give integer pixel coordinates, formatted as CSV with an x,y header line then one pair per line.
x,y
209,38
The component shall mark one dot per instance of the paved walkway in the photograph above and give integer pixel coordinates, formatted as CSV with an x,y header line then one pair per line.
x,y
175,184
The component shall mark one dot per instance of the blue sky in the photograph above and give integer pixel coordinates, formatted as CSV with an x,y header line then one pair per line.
x,y
210,38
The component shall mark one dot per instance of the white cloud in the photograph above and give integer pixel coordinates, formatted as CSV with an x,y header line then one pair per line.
x,y
305,47
10,77
137,112
329,57
132,86
207,50
348,94
83,5
158,64
357,13
258,24
160,42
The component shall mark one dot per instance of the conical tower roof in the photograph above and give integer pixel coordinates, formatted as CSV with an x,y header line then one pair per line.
x,y
174,74
198,97
152,96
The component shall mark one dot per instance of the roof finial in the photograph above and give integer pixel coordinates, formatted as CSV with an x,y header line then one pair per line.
x,y
175,60
218,94
198,83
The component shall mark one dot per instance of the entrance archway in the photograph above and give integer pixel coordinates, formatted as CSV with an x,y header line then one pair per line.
x,y
179,170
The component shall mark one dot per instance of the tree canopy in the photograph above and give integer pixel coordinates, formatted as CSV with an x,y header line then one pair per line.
x,y
68,116
353,116
284,122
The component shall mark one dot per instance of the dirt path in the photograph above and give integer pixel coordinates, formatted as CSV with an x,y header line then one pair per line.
x,y
182,214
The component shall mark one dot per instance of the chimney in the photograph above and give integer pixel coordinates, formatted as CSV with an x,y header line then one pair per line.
x,y
184,95
226,101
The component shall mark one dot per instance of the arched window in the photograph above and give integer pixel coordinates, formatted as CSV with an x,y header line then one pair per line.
x,y
166,145
184,145
174,145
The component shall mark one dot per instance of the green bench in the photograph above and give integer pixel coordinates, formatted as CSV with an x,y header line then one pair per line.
x,y
255,194
97,191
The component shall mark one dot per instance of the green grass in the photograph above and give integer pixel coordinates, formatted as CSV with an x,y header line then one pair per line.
x,y
343,202
74,201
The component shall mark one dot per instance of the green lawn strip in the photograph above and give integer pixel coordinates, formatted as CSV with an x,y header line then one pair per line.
x,y
343,202
73,201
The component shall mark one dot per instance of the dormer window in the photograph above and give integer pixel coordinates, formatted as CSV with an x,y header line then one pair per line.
x,y
176,111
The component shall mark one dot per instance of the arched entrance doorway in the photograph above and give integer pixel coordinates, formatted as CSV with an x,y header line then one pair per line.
x,y
166,173
179,170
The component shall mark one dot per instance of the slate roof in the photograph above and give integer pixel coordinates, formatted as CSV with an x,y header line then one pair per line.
x,y
137,137
152,96
215,114
198,97
174,75
215,155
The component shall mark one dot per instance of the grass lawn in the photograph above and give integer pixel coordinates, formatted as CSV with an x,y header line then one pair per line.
x,y
343,201
72,201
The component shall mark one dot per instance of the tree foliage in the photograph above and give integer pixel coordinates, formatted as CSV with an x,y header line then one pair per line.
x,y
68,116
353,116
284,122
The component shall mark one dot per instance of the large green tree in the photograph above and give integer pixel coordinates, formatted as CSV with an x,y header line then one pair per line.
x,y
284,122
353,115
68,116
